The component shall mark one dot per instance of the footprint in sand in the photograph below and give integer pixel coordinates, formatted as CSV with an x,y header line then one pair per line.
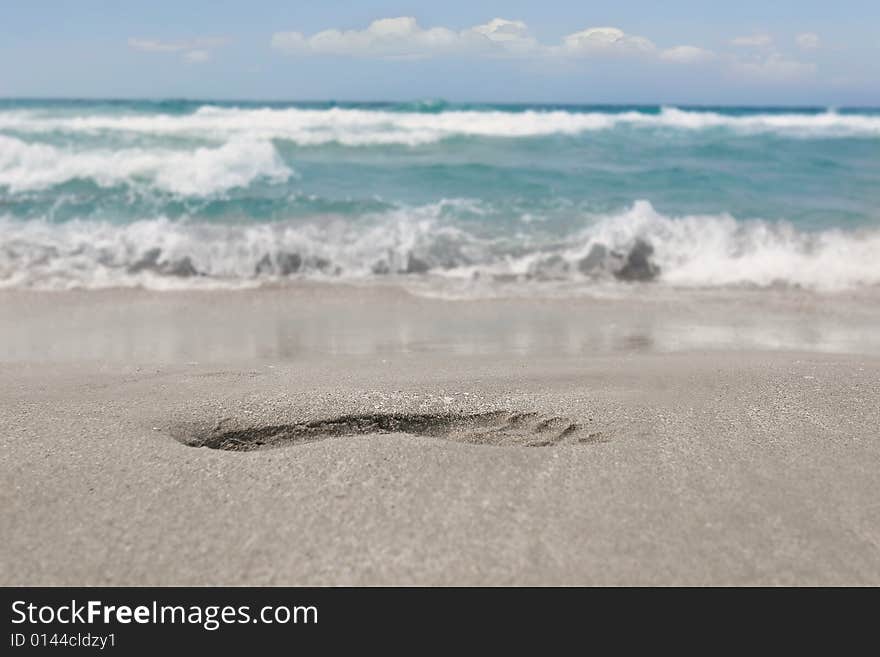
x,y
493,428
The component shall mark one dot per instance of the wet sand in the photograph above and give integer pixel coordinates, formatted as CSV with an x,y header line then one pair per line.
x,y
329,435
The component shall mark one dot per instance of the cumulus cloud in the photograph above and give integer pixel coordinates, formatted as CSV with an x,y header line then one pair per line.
x,y
193,51
510,35
386,37
757,40
606,40
404,38
687,55
807,41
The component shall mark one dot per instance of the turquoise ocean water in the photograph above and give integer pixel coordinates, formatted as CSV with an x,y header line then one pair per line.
x,y
187,194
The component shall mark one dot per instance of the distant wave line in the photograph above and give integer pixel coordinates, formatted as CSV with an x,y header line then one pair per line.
x,y
365,127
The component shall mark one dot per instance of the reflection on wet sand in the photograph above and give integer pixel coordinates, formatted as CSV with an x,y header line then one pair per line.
x,y
288,324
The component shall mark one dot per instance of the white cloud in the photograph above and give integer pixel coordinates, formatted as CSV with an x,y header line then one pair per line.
x,y
194,51
386,37
404,38
757,40
607,40
687,55
808,41
512,36
501,30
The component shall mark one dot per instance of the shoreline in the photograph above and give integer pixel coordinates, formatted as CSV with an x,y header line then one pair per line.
x,y
293,321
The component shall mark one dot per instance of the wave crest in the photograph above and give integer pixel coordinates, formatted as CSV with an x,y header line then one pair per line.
x,y
199,172
366,127
688,251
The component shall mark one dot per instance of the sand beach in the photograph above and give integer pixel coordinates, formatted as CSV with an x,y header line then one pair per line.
x,y
327,435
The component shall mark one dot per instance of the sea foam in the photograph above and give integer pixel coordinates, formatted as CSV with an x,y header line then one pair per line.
x,y
31,166
366,127
689,251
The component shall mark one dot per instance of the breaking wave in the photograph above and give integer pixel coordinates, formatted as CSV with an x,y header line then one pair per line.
x,y
365,127
200,171
638,244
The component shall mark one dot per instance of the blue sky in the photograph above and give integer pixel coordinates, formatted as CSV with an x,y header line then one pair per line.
x,y
677,51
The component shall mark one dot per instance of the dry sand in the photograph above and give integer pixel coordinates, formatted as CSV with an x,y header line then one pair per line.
x,y
701,439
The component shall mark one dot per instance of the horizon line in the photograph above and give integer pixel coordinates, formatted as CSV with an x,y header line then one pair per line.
x,y
509,103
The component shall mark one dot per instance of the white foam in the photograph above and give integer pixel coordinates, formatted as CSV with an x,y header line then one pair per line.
x,y
692,251
198,172
799,124
364,127
92,254
718,250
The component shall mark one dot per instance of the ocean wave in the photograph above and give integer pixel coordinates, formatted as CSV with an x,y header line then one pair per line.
x,y
26,166
366,127
639,244
719,250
